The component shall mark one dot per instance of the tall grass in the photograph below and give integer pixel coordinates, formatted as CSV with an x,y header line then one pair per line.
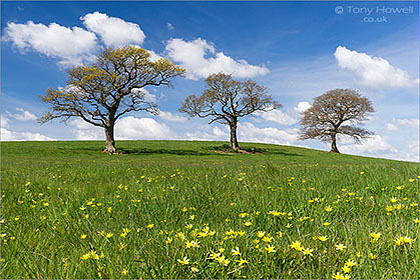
x,y
70,211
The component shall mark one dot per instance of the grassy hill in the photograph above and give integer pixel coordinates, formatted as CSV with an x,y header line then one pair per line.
x,y
177,209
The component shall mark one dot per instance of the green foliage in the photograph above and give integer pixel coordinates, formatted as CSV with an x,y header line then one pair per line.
x,y
61,199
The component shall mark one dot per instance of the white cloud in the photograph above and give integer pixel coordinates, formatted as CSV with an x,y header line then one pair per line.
x,y
8,135
396,124
374,72
247,132
302,107
148,97
270,135
277,116
391,127
168,116
142,128
374,146
208,134
23,115
70,45
413,123
113,31
4,121
170,26
200,59
127,128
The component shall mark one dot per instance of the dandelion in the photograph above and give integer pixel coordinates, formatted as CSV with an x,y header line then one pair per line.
x,y
375,236
346,269
372,256
416,220
194,269
322,238
222,260
109,235
270,249
184,261
338,275
350,263
340,247
83,236
235,252
45,203
260,234
150,226
393,199
169,240
326,224
247,224
242,261
267,239
307,251
122,246
328,209
296,245
189,244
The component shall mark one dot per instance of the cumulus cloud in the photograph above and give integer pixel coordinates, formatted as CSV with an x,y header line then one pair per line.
x,y
396,124
374,72
23,115
391,127
71,46
413,123
148,97
8,135
170,26
200,59
270,135
113,31
302,107
206,133
142,128
127,128
168,116
374,146
4,121
247,132
277,116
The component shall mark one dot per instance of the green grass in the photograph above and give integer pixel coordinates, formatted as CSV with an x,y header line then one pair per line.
x,y
55,192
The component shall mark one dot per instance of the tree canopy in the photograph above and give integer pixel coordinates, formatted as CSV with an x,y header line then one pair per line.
x,y
336,112
225,100
113,86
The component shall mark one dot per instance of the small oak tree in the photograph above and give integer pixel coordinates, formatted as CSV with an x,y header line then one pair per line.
x,y
103,92
336,112
225,100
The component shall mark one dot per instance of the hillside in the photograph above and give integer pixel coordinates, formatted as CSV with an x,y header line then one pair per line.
x,y
177,209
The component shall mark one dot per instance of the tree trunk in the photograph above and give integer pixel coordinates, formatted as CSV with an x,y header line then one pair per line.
x,y
233,138
110,142
334,148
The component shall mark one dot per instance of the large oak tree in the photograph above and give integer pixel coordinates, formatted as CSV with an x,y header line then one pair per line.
x,y
225,100
336,112
102,92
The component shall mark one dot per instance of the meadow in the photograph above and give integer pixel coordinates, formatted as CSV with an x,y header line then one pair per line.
x,y
177,209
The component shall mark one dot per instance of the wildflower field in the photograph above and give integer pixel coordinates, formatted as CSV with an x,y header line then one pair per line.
x,y
177,209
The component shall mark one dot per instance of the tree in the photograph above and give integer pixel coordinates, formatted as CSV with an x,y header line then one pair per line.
x,y
113,86
225,100
336,112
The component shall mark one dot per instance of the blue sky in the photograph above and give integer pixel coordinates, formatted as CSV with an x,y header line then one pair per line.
x,y
299,50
